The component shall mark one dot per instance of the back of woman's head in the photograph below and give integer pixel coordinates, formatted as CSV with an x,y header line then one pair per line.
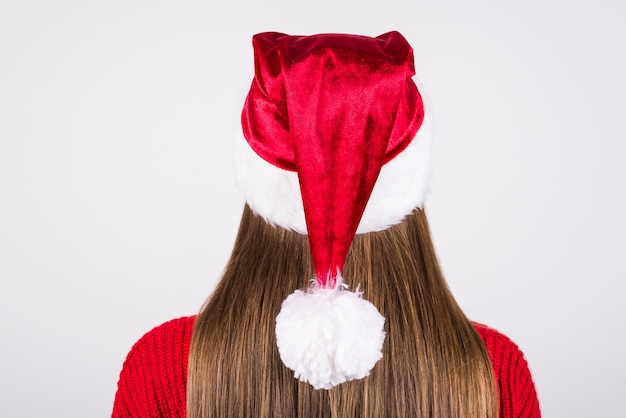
x,y
433,364
334,168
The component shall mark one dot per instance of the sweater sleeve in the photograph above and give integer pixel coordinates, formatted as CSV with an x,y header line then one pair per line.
x,y
518,397
153,380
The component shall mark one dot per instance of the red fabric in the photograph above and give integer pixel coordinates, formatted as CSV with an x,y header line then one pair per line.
x,y
333,108
153,381
518,397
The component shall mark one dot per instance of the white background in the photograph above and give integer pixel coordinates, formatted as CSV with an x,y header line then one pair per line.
x,y
118,207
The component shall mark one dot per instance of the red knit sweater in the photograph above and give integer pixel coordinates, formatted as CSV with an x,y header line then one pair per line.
x,y
154,377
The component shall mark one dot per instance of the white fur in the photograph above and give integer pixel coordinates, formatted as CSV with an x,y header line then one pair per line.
x,y
329,336
401,187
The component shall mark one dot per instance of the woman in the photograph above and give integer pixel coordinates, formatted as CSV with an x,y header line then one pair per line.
x,y
334,168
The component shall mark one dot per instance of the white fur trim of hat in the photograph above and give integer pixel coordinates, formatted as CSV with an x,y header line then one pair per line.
x,y
402,185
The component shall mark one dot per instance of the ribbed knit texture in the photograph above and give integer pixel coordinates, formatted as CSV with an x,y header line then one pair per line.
x,y
518,397
153,381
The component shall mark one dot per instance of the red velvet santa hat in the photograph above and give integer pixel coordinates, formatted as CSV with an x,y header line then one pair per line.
x,y
330,124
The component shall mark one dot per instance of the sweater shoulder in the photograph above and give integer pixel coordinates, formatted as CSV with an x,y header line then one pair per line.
x,y
159,338
518,397
496,341
153,379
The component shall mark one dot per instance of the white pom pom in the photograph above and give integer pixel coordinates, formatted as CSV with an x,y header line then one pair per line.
x,y
329,336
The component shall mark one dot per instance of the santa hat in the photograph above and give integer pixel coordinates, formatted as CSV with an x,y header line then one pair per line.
x,y
336,144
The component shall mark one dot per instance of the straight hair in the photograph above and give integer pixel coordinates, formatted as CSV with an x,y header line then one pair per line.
x,y
434,363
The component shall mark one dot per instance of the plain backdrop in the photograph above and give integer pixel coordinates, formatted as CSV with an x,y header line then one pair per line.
x,y
118,207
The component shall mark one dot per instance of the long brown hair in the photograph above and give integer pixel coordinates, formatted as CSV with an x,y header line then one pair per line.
x,y
434,363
